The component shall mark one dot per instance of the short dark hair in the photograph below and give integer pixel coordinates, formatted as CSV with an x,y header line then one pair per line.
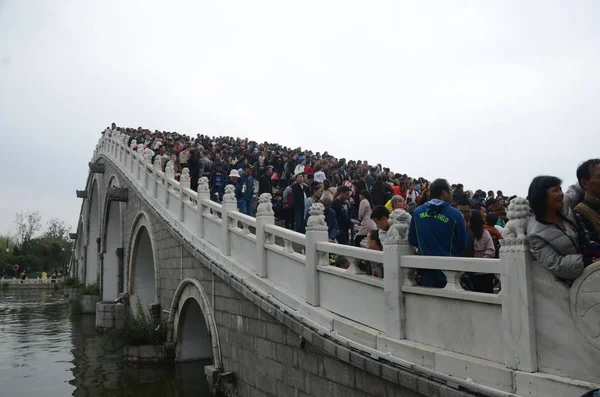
x,y
374,236
343,189
537,193
583,171
380,212
491,219
461,198
437,188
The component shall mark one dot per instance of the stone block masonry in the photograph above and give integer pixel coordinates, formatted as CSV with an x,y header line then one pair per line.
x,y
269,359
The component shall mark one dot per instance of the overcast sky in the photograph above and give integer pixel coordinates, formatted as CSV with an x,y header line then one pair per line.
x,y
488,94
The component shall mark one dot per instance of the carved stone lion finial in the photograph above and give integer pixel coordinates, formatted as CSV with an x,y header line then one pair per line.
x,y
316,220
518,214
185,175
148,154
265,207
170,168
203,186
140,149
229,195
158,163
399,223
133,145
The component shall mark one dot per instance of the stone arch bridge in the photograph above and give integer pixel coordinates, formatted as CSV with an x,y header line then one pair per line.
x,y
262,303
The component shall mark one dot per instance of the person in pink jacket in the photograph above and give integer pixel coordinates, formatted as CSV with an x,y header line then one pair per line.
x,y
366,224
483,247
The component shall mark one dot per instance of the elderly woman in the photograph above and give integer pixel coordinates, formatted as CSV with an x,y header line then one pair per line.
x,y
552,230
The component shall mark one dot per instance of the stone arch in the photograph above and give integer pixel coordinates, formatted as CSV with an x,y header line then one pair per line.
x,y
93,233
143,265
192,325
111,240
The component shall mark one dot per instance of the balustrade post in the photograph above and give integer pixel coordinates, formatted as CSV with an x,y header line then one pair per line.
x,y
316,231
132,155
139,161
169,176
203,194
264,216
184,183
146,159
395,246
158,162
518,318
229,204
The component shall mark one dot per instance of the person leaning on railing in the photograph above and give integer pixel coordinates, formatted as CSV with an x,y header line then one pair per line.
x,y
587,212
552,230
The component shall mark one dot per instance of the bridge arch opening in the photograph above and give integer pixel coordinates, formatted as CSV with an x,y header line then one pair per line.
x,y
93,233
192,325
194,338
112,240
142,266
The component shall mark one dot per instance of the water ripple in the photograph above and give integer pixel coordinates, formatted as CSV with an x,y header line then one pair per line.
x,y
44,351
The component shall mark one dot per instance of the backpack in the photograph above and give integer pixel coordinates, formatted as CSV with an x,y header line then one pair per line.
x,y
289,200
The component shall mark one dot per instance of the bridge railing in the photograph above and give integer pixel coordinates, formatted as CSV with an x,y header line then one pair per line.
x,y
350,292
393,314
29,281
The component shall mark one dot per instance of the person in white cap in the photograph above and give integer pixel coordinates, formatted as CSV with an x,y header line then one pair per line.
x,y
234,177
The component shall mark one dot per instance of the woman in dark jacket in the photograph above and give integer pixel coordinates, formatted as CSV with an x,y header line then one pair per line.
x,y
380,192
552,231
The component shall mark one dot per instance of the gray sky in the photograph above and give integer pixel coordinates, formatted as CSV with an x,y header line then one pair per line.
x,y
488,94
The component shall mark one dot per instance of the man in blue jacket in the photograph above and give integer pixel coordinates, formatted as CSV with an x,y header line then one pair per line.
x,y
437,229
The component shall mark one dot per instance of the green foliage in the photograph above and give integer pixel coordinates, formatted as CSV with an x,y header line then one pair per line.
x,y
71,282
33,251
90,289
140,330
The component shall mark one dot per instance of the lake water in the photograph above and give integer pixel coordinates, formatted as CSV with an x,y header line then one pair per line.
x,y
46,352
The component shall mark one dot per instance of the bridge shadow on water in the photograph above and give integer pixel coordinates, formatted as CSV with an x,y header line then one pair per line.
x,y
46,351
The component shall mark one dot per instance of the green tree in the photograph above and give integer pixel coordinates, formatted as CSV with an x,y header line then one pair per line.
x,y
57,229
28,223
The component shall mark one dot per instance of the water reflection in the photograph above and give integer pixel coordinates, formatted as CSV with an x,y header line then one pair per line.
x,y
46,352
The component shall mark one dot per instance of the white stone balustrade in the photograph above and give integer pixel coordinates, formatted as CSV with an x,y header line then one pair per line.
x,y
534,338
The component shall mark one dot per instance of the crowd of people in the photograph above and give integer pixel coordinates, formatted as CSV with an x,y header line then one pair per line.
x,y
446,219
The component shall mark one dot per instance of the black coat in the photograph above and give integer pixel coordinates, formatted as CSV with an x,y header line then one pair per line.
x,y
299,191
265,185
